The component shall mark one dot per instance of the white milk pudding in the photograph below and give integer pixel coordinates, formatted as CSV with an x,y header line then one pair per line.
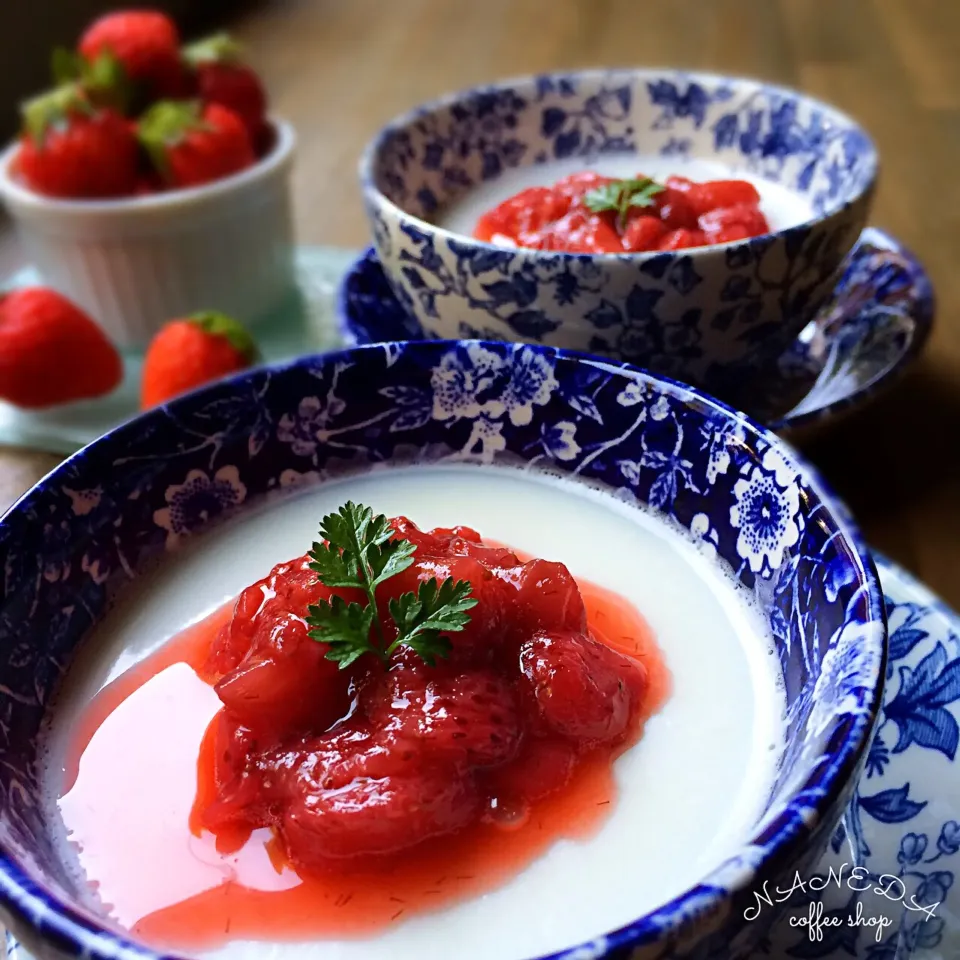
x,y
782,207
689,790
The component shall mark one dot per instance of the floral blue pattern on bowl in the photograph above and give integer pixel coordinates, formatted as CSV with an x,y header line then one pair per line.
x,y
709,315
86,533
874,325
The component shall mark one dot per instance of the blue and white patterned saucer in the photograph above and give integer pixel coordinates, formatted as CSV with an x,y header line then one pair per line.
x,y
901,832
903,824
873,327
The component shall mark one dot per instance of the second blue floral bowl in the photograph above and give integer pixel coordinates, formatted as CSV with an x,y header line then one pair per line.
x,y
708,316
92,532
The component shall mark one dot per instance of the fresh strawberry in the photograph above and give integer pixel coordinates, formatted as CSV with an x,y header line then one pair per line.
x,y
188,353
146,43
191,144
102,79
51,352
585,690
222,77
73,149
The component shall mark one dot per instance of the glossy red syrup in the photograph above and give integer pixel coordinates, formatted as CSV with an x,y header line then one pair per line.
x,y
683,214
145,781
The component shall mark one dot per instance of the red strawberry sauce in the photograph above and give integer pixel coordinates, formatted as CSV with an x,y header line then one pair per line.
x,y
681,214
255,791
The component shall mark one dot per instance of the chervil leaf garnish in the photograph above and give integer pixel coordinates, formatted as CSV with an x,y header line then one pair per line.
x,y
423,618
344,627
361,551
621,195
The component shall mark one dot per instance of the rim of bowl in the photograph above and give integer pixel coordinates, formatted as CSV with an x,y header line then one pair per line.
x,y
95,936
279,156
372,150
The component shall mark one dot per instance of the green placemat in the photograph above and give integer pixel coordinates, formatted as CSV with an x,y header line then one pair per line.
x,y
306,324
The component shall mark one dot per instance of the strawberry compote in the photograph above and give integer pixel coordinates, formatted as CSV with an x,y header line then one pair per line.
x,y
335,802
589,213
373,760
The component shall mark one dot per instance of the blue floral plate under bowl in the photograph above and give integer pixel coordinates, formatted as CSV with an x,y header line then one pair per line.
x,y
708,315
887,888
96,530
867,334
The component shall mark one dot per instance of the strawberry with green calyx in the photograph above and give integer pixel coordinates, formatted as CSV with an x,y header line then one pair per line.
x,y
223,77
189,352
51,352
147,43
75,149
104,79
190,143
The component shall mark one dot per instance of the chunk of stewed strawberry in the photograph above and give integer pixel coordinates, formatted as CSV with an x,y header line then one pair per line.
x,y
329,816
578,232
743,218
290,588
681,239
547,598
643,233
482,636
528,211
286,683
544,766
717,194
467,718
240,797
674,208
583,689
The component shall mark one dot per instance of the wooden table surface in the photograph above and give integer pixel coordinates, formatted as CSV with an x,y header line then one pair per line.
x,y
339,68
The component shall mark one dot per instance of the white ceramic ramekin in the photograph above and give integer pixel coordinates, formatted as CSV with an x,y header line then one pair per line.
x,y
135,263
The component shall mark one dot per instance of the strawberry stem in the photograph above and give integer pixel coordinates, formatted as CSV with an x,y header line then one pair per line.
x,y
220,48
42,112
220,325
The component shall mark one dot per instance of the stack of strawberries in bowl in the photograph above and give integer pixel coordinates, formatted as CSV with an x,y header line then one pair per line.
x,y
151,181
133,113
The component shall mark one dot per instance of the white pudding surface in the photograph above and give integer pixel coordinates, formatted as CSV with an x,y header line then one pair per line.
x,y
782,207
689,791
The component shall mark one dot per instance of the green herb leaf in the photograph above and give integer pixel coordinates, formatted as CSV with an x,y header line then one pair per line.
x,y
344,627
643,196
606,197
621,195
362,551
420,618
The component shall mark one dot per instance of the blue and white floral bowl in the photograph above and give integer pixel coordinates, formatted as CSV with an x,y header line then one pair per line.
x,y
709,316
91,530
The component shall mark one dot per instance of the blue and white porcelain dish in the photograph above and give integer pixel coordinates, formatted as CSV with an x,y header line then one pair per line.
x,y
701,315
902,821
902,828
874,325
83,537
